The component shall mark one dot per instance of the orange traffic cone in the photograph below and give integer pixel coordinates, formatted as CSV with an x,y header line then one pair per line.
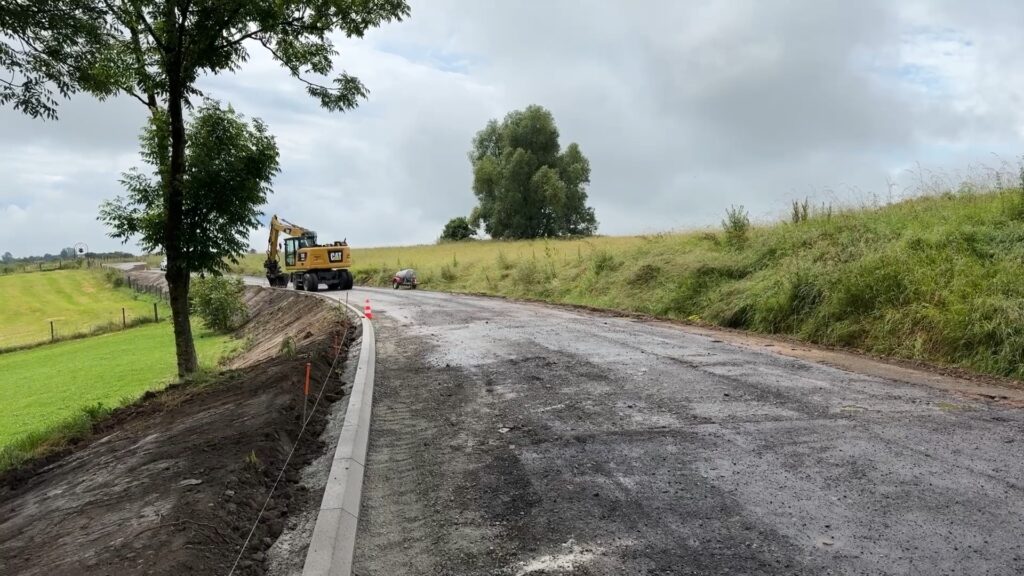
x,y
367,311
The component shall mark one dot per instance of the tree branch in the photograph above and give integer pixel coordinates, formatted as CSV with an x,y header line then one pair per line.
x,y
240,39
143,79
184,20
12,84
139,16
258,31
135,95
295,71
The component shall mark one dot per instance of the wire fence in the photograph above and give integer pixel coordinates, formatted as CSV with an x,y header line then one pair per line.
x,y
59,329
158,289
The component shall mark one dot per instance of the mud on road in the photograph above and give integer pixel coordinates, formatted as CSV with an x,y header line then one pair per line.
x,y
173,484
524,440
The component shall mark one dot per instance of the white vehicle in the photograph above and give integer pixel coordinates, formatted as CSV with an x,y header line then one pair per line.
x,y
163,264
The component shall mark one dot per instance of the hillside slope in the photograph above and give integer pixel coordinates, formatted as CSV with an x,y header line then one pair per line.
x,y
933,278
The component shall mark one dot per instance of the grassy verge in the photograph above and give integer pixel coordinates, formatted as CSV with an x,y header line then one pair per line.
x,y
54,394
78,302
936,278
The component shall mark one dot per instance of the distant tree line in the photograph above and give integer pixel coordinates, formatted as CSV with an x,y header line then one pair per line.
x,y
64,254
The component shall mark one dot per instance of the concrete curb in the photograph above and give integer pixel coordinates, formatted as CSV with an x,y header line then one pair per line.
x,y
332,546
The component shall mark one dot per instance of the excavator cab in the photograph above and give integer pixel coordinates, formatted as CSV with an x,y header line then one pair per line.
x,y
293,245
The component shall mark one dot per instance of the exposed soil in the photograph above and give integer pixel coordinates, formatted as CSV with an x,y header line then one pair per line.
x,y
151,281
173,484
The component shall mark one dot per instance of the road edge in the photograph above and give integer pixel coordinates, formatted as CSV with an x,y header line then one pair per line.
x,y
332,545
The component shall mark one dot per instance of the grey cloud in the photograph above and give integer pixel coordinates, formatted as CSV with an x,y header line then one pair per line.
x,y
683,109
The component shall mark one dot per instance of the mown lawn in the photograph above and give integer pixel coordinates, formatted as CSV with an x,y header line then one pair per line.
x,y
48,386
77,301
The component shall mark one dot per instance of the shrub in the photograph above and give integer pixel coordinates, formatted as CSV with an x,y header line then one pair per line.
x,y
528,275
603,262
218,301
114,277
645,275
503,262
457,229
448,273
288,347
736,225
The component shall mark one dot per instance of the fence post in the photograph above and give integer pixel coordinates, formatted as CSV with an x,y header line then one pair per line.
x,y
124,319
53,335
156,316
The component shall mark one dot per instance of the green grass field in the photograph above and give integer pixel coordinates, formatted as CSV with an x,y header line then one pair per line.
x,y
48,386
936,278
77,301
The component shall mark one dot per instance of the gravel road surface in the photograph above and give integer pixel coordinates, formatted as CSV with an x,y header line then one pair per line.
x,y
517,439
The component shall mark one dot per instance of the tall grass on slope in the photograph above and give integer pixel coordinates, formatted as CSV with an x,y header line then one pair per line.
x,y
935,278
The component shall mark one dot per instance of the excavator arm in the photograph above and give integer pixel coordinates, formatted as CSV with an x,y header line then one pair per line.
x,y
279,226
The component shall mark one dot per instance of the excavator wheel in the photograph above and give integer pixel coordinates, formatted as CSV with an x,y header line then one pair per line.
x,y
310,282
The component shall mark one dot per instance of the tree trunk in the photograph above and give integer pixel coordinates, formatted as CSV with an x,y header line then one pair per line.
x,y
174,199
178,286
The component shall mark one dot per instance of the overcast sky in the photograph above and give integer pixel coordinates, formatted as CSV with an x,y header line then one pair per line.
x,y
683,108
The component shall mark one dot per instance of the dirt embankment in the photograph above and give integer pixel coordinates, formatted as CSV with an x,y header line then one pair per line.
x,y
151,281
173,484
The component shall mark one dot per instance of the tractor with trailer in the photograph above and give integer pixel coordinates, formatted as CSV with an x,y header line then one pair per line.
x,y
306,263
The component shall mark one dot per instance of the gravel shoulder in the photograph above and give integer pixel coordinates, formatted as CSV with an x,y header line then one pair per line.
x,y
513,438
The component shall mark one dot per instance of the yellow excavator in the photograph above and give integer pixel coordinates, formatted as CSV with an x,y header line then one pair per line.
x,y
306,263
